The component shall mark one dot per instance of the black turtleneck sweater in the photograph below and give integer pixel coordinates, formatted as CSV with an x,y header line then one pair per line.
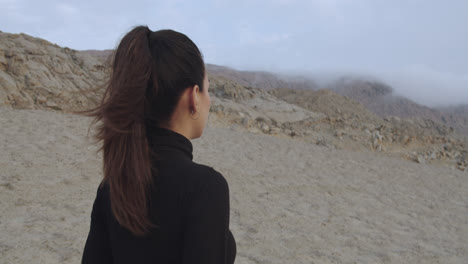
x,y
190,206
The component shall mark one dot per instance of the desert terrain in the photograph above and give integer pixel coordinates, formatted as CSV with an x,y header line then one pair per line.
x,y
315,176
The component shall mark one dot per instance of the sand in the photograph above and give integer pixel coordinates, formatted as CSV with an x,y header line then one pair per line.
x,y
291,202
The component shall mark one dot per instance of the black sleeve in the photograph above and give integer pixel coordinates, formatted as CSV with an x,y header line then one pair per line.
x,y
207,223
97,248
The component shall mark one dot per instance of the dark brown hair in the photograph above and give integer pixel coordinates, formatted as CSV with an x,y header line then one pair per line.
x,y
150,71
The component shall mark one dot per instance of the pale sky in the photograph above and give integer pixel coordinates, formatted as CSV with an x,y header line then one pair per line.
x,y
420,47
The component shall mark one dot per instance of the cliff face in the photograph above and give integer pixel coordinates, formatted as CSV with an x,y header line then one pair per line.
x,y
36,74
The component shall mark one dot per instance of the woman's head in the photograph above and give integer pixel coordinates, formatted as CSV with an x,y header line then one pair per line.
x,y
157,79
152,71
179,73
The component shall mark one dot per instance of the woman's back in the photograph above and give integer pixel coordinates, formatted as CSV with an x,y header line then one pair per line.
x,y
189,205
154,204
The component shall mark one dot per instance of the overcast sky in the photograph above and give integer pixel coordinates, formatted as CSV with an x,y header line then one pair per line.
x,y
420,47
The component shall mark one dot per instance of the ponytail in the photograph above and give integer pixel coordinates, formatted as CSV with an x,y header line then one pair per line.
x,y
126,161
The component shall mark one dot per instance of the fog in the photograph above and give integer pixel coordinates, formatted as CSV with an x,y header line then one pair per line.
x,y
429,87
420,84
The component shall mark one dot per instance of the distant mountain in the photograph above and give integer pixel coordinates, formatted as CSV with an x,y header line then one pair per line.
x,y
261,80
379,98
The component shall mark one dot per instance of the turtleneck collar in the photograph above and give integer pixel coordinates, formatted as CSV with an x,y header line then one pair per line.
x,y
162,139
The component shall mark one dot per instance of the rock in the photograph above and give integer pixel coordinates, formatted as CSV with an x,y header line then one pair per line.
x,y
339,133
389,137
375,143
265,128
381,128
430,140
376,135
379,148
448,147
404,139
463,156
420,159
370,127
275,130
51,104
245,122
324,143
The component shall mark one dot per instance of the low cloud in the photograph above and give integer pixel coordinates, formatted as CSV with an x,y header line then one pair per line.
x,y
418,83
428,86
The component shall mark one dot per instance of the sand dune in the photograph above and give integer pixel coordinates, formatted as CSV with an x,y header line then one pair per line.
x,y
291,202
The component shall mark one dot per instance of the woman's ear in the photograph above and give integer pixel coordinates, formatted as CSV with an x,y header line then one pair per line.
x,y
194,97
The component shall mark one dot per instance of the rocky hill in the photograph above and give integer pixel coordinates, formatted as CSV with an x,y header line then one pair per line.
x,y
376,96
35,74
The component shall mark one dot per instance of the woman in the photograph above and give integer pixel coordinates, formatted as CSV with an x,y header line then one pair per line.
x,y
155,205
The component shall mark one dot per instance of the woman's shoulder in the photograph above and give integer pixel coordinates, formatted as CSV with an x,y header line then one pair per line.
x,y
206,178
103,192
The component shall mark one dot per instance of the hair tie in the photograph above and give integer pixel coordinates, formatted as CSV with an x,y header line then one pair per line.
x,y
148,35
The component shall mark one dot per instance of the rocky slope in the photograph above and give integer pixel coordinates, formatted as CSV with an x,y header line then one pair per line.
x,y
377,97
35,74
357,114
352,125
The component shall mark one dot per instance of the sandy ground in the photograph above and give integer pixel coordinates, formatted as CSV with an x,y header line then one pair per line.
x,y
291,202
